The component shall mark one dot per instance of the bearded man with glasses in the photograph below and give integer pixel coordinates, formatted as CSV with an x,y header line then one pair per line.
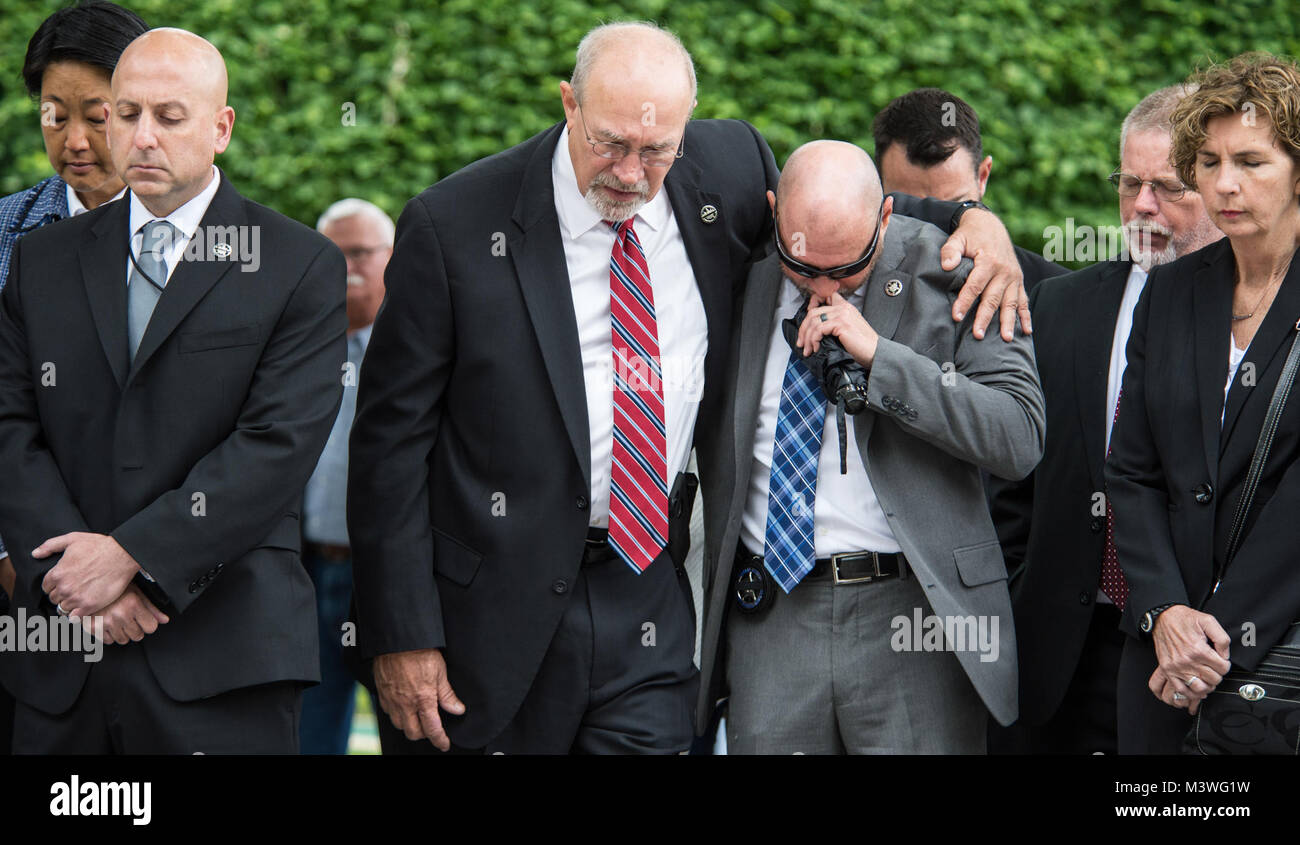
x,y
1067,583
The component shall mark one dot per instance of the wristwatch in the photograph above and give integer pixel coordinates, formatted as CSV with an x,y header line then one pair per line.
x,y
1149,618
962,208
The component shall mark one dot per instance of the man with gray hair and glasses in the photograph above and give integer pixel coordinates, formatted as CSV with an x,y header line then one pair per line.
x,y
1067,583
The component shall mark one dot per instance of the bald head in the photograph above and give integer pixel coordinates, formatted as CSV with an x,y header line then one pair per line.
x,y
161,51
829,184
169,117
827,205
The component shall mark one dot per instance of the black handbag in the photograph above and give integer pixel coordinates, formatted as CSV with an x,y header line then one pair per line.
x,y
1255,712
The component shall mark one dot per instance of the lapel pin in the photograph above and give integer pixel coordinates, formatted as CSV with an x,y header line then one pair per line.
x,y
893,287
708,213
221,249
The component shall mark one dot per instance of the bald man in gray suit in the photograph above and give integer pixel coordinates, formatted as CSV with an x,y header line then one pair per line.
x,y
886,626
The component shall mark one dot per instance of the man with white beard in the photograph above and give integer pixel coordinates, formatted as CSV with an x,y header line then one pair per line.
x,y
1067,587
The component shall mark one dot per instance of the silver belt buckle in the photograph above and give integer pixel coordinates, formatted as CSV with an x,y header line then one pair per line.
x,y
862,579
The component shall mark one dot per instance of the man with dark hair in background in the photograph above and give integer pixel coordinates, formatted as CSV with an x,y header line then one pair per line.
x,y
928,145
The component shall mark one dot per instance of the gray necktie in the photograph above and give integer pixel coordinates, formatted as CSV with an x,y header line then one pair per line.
x,y
148,277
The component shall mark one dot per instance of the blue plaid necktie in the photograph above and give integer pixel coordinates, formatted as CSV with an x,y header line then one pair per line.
x,y
788,552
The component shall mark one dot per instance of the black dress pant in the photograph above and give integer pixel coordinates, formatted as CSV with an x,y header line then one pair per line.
x,y
618,678
122,710
1086,721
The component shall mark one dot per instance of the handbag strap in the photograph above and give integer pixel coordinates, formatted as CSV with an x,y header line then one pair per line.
x,y
1266,434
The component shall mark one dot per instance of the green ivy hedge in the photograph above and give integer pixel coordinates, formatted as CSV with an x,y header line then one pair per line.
x,y
433,86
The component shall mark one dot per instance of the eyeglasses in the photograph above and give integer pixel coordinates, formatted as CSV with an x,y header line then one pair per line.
x,y
808,271
617,152
1168,190
361,253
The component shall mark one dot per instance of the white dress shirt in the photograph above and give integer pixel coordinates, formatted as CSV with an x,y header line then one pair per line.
x,y
1137,280
847,516
186,219
679,313
75,205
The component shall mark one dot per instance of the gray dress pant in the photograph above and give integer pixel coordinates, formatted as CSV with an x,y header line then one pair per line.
x,y
817,674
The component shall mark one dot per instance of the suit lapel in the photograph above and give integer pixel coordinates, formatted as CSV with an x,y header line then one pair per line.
x,y
1212,318
103,268
1271,339
706,247
103,261
192,279
883,312
758,310
537,250
1097,312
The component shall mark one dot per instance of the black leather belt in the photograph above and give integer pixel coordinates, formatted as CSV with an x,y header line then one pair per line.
x,y
597,548
328,551
847,568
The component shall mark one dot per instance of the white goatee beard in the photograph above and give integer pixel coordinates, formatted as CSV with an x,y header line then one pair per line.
x,y
613,210
1145,258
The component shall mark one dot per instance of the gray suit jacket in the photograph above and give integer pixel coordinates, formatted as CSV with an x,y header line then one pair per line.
x,y
959,404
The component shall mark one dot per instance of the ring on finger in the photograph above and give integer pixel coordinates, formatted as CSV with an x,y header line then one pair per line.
x,y
823,316
1192,680
1178,696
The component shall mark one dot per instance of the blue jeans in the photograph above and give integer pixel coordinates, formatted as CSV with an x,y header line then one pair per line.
x,y
327,708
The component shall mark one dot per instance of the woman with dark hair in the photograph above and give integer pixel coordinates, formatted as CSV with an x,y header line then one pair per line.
x,y
68,68
1206,510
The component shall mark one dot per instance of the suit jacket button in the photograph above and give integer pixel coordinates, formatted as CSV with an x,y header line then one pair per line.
x,y
582,503
194,588
1096,525
559,586
1085,598
1204,494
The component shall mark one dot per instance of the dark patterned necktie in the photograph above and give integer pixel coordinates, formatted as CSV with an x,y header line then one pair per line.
x,y
1113,582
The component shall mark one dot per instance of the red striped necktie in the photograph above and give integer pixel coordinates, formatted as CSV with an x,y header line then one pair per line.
x,y
638,494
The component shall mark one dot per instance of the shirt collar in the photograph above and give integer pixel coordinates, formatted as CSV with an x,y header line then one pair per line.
x,y
186,218
577,217
362,335
76,206
1135,272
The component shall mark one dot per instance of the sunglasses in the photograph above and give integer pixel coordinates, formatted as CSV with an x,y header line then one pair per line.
x,y
808,271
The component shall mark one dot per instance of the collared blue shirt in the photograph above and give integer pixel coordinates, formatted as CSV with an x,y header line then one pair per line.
x,y
324,502
45,202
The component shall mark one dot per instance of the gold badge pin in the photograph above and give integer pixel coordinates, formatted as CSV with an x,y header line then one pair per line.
x,y
708,213
893,287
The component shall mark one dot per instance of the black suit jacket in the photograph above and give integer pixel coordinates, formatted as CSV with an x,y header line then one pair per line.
x,y
1174,476
469,478
1052,525
194,457
1036,268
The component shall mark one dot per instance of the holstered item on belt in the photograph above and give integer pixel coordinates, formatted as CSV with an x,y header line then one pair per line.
x,y
754,588
681,501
